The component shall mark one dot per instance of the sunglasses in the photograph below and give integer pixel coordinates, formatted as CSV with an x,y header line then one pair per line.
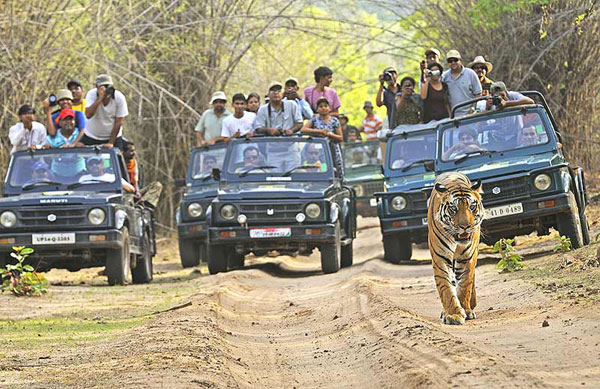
x,y
450,60
251,157
529,134
479,67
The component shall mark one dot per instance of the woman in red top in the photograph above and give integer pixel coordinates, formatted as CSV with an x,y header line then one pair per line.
x,y
434,94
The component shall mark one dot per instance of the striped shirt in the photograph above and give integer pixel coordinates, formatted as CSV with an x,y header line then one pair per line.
x,y
371,125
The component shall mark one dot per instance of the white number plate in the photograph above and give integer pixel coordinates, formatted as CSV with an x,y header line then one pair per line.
x,y
373,202
52,238
279,232
510,209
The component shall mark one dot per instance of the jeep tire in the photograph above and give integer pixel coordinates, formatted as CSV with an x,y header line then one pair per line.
x,y
569,224
189,253
331,253
347,255
235,260
217,259
142,272
397,248
118,262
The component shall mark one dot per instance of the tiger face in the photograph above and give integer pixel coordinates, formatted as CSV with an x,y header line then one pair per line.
x,y
460,211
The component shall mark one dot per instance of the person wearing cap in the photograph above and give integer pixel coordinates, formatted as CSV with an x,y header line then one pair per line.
x,y
463,83
432,55
74,85
209,127
507,98
105,108
27,133
409,105
323,124
291,93
67,134
40,172
371,123
482,68
95,168
64,98
323,78
386,95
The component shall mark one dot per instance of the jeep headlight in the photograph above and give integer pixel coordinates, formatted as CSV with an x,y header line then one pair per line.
x,y
8,219
398,203
359,190
228,212
542,181
313,210
96,216
194,209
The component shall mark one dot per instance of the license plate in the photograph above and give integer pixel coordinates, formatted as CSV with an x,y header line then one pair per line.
x,y
504,210
373,202
52,238
280,232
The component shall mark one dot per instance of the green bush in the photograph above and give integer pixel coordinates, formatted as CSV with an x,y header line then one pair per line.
x,y
564,244
510,260
22,280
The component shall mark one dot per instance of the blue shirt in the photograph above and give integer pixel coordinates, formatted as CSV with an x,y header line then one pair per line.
x,y
318,123
59,140
79,119
305,108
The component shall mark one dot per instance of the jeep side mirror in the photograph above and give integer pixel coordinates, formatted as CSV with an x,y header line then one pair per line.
x,y
216,173
429,166
180,182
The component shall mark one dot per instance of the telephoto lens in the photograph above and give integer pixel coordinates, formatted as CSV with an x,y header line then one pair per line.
x,y
52,100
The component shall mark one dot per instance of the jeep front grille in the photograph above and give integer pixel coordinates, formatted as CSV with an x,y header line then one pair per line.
x,y
370,188
271,212
40,216
513,188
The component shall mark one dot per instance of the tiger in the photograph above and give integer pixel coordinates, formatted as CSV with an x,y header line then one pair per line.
x,y
454,217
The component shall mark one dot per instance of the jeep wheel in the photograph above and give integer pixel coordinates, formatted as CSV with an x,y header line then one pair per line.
x,y
585,228
347,255
235,260
397,248
202,252
142,273
189,253
217,259
118,262
569,224
331,253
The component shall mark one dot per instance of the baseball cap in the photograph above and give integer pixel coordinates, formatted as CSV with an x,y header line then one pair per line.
x,y
65,113
390,69
104,79
291,79
275,85
432,50
453,54
367,104
64,94
498,86
218,95
74,81
25,109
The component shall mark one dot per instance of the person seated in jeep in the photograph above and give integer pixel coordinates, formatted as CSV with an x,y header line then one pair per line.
x,y
95,167
208,164
467,142
528,137
312,155
40,172
251,157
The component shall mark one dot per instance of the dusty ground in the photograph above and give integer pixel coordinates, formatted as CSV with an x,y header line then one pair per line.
x,y
281,323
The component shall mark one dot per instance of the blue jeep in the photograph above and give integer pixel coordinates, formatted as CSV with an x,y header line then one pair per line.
x,y
528,183
402,208
200,190
362,162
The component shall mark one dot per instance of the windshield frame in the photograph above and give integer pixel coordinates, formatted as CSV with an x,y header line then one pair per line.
x,y
189,178
115,186
400,136
550,145
297,176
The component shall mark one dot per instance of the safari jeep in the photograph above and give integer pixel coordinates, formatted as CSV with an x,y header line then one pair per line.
x,y
283,194
528,183
362,162
69,205
200,190
402,208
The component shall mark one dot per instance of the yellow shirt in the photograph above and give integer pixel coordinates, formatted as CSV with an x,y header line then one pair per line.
x,y
80,106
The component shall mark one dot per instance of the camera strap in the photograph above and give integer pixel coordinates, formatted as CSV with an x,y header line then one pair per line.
x,y
278,114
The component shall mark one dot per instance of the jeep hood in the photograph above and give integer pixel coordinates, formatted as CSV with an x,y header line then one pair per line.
x,y
201,192
410,182
368,173
274,190
59,198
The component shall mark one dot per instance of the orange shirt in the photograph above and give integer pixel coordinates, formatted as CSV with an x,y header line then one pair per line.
x,y
371,125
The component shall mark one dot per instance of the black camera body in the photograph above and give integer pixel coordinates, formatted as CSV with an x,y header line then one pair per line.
x,y
52,100
496,100
109,91
387,76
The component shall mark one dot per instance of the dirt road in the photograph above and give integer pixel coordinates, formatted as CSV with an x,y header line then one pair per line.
x,y
281,323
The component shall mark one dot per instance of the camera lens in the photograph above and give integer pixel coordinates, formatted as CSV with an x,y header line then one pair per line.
x,y
52,99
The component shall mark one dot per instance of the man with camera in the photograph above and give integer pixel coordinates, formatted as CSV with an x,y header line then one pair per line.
x,y
501,98
105,108
63,100
387,95
431,56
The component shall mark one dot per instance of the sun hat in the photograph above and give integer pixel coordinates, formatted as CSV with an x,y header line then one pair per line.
x,y
367,104
479,60
275,85
218,95
453,54
432,50
291,79
104,79
64,94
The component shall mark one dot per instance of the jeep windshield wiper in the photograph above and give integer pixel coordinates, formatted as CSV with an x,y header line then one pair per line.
x,y
78,184
39,183
470,154
245,172
289,172
413,163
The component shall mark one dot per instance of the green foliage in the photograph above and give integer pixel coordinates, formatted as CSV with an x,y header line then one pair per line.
x,y
511,260
490,12
564,244
22,280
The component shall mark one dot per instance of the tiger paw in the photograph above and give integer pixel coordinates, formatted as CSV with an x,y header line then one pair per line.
x,y
455,319
471,315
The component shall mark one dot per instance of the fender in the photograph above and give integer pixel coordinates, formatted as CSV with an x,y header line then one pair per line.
x,y
578,181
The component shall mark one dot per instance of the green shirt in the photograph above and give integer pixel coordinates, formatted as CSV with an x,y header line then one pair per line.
x,y
210,124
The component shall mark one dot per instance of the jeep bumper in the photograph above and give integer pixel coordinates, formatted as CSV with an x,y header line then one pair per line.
x,y
366,206
298,234
194,230
93,239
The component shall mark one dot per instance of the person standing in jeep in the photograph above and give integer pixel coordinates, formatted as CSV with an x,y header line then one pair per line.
x,y
105,108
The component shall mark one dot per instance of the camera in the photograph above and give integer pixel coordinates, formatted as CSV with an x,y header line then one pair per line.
x,y
387,76
52,100
109,90
496,100
433,73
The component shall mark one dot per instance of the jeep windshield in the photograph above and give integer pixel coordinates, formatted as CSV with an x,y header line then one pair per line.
x,y
361,154
204,160
279,158
61,169
498,132
409,150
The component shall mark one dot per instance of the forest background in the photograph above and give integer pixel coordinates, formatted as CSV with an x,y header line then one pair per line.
x,y
169,56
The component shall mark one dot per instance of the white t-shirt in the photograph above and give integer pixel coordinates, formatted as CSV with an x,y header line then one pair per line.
x,y
100,125
231,124
21,139
106,177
